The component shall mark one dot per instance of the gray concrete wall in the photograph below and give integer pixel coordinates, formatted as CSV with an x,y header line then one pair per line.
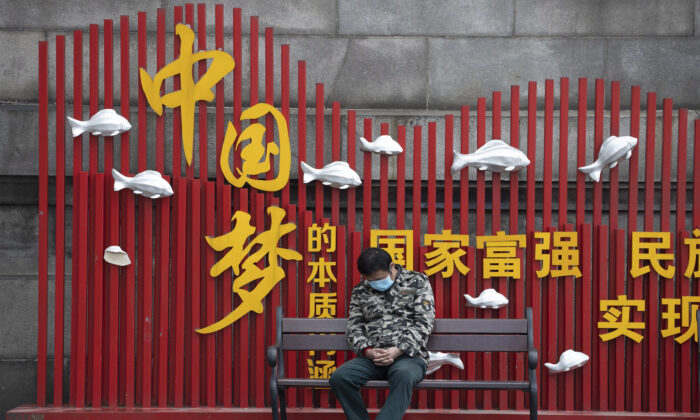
x,y
402,62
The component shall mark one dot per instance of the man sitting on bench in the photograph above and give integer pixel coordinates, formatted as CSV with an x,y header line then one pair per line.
x,y
392,312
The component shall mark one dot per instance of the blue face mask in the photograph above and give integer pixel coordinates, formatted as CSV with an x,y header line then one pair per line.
x,y
383,284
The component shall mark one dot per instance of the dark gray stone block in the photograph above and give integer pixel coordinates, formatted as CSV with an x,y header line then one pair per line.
x,y
462,70
604,18
298,17
668,67
451,18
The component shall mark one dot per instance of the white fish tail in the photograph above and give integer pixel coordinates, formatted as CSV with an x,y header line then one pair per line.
x,y
593,171
78,127
309,172
459,161
365,145
120,181
470,299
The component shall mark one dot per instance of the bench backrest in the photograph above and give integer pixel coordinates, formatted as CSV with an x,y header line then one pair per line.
x,y
509,335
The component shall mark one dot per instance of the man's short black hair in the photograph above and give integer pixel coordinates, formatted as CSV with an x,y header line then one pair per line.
x,y
372,260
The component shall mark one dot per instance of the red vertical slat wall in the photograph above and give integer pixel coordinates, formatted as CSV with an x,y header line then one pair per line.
x,y
128,323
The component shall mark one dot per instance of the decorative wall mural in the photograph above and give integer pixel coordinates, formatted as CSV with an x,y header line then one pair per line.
x,y
494,156
612,151
384,145
115,255
568,360
437,359
104,123
147,183
488,299
336,174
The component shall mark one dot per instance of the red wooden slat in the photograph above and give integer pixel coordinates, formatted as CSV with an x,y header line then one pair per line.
x,y
549,300
416,205
696,177
533,286
180,187
163,253
482,360
237,91
129,303
43,287
195,296
98,291
383,183
202,45
400,180
284,64
307,288
584,292
60,219
77,165
177,124
81,331
189,20
432,210
422,394
301,121
352,141
343,280
210,283
259,385
94,93
269,99
563,160
335,156
614,172
367,186
292,298
618,281
667,349
581,151
243,339
227,350
320,109
449,140
651,403
597,142
683,283
602,254
635,403
253,60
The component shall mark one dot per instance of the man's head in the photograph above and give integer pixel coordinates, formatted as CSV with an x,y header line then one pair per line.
x,y
374,264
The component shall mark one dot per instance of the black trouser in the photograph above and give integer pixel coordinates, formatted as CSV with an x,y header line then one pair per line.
x,y
402,375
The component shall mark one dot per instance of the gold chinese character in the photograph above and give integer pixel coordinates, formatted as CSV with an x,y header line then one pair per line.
x,y
190,92
398,243
619,320
322,305
501,254
324,235
564,257
441,259
320,369
243,260
687,316
321,272
693,268
255,155
649,251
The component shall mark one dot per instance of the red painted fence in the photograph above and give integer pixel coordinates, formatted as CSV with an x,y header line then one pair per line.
x,y
132,329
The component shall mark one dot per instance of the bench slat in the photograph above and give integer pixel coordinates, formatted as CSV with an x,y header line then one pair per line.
x,y
442,326
425,384
453,342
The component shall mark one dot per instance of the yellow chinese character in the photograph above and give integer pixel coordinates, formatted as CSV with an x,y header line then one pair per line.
x,y
693,268
398,243
322,305
564,257
190,92
243,260
501,258
689,307
321,272
324,235
619,320
320,369
255,155
649,251
441,259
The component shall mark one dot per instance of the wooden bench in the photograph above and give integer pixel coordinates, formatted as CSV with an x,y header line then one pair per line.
x,y
450,335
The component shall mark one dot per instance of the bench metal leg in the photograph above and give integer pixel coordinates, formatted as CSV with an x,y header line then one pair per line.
x,y
533,404
283,404
273,402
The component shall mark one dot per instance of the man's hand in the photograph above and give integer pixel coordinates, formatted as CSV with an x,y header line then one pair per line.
x,y
384,357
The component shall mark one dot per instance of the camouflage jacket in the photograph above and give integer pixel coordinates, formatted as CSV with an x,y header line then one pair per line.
x,y
401,316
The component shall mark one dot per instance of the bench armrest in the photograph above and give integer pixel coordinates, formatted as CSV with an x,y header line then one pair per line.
x,y
532,359
271,356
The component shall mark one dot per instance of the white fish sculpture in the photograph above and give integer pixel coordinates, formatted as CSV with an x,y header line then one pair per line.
x,y
494,156
437,359
336,174
147,183
613,150
384,145
115,255
489,298
568,360
104,123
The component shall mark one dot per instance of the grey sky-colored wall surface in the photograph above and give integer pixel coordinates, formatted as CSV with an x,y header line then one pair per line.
x,y
402,62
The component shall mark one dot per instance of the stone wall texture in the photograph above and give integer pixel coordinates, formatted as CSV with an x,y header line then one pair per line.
x,y
397,61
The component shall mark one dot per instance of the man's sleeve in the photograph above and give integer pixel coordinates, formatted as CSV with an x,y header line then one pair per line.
x,y
355,332
416,336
